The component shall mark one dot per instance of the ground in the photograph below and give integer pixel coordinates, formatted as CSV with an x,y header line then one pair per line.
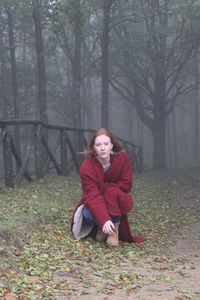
x,y
181,268
46,263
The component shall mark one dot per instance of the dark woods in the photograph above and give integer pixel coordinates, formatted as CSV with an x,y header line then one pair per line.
x,y
131,66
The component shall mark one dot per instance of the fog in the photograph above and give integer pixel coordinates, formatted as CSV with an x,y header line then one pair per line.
x,y
130,66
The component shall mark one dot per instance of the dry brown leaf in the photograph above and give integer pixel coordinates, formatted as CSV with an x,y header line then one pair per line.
x,y
10,297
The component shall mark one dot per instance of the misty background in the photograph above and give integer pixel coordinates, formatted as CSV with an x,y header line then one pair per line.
x,y
131,65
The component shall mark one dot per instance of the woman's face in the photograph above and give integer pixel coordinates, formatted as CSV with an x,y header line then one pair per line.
x,y
103,146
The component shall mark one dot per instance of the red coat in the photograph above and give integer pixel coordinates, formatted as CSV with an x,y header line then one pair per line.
x,y
107,193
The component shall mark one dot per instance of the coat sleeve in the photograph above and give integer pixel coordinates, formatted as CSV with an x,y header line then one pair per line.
x,y
126,175
93,196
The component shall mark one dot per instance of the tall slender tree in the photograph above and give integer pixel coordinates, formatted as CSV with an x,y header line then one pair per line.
x,y
105,63
9,12
76,65
41,81
41,68
196,110
3,71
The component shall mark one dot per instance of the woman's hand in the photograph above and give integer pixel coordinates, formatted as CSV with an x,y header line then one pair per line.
x,y
108,228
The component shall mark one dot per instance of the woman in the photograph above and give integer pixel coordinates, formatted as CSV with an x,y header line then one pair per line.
x,y
106,177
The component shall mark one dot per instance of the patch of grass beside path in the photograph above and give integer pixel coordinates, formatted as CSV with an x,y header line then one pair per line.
x,y
41,260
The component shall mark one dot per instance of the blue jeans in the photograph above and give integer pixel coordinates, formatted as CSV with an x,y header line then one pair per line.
x,y
90,219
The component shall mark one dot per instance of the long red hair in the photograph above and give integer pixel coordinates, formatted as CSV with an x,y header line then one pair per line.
x,y
116,144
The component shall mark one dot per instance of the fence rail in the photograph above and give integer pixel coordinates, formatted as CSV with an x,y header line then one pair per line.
x,y
67,146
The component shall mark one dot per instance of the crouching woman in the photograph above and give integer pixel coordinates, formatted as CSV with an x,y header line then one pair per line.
x,y
106,176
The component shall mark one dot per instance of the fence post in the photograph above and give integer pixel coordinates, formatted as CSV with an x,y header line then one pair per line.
x,y
24,165
38,152
8,164
63,153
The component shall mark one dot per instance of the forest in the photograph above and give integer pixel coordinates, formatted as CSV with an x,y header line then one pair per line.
x,y
67,68
131,66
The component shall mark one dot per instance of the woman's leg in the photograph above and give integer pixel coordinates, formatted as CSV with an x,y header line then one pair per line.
x,y
87,215
89,218
100,236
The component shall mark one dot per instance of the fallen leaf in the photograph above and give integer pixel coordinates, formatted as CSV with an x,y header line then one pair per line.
x,y
164,267
10,297
34,278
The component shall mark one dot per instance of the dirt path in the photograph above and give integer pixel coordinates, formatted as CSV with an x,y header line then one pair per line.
x,y
177,275
174,277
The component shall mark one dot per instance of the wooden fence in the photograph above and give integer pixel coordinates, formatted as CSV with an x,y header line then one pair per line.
x,y
67,151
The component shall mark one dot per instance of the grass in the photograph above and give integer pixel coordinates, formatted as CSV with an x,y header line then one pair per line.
x,y
41,259
32,205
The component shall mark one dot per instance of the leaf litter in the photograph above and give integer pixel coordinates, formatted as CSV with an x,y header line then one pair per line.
x,y
41,259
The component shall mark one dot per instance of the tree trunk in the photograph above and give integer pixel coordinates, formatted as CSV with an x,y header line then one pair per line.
x,y
41,69
8,165
41,77
14,77
3,83
76,67
196,111
172,141
174,126
25,75
159,147
104,64
140,132
169,155
196,133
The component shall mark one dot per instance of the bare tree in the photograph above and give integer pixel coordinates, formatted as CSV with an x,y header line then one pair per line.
x,y
3,80
153,62
13,75
41,68
41,81
196,109
105,63
76,65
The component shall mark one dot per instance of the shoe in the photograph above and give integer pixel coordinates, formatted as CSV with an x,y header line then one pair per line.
x,y
100,236
113,240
